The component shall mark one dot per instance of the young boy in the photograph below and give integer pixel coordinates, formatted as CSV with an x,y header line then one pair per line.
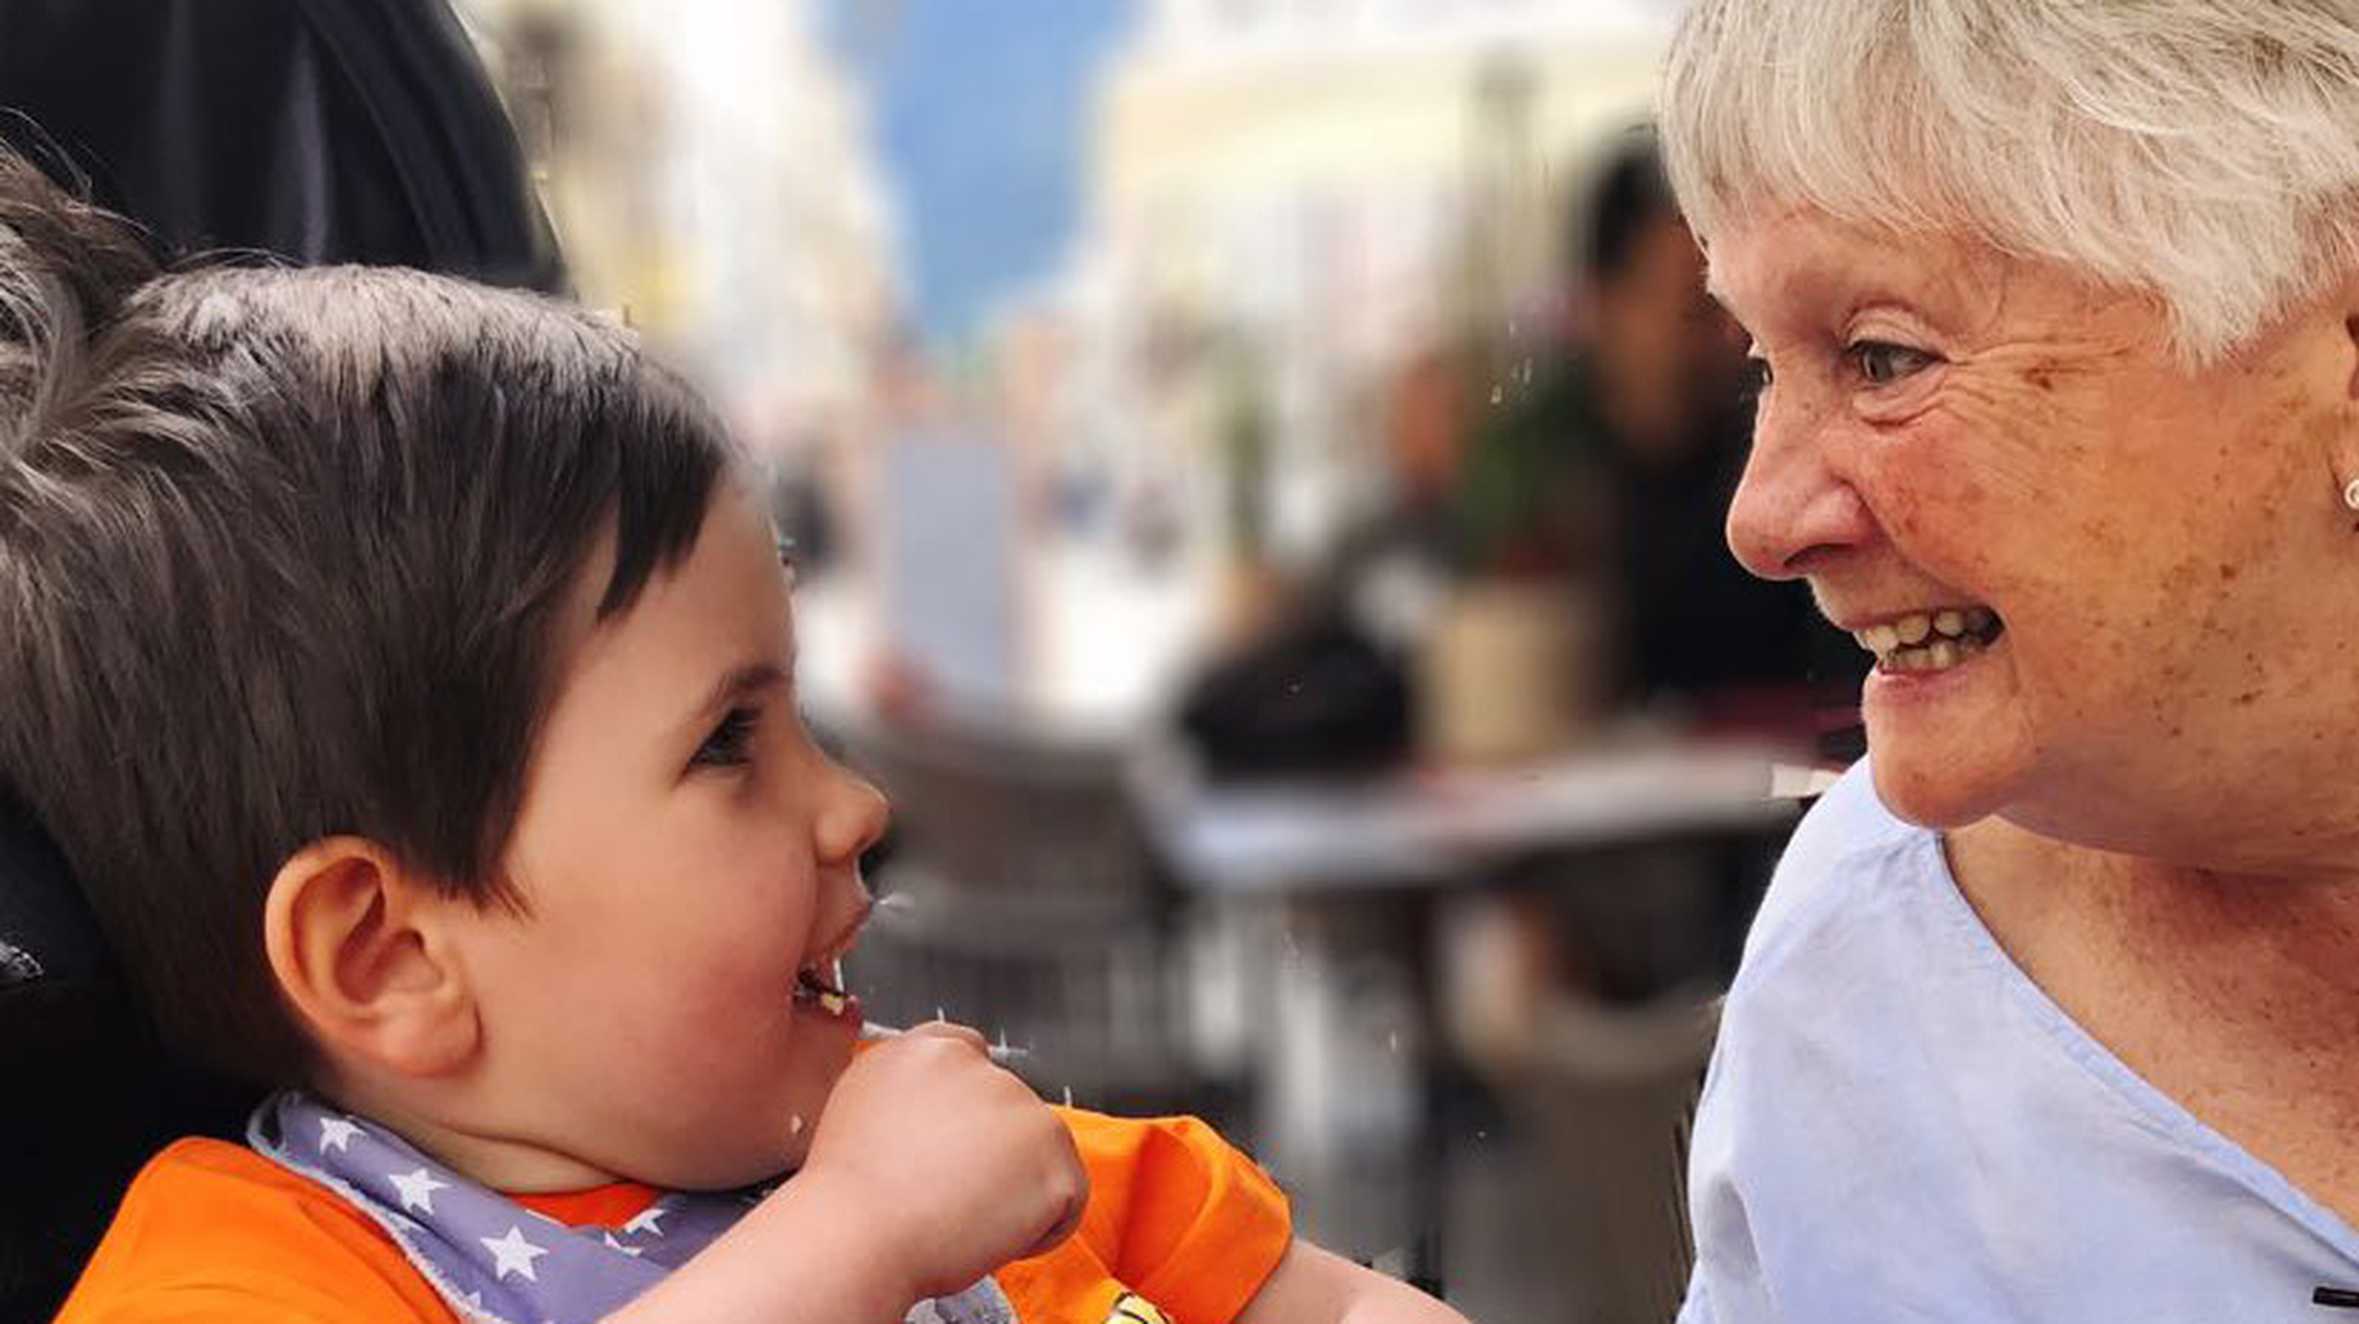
x,y
405,668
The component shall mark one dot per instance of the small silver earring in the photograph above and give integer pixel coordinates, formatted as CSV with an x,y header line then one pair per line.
x,y
2351,494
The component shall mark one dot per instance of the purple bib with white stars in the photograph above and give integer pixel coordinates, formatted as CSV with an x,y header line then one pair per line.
x,y
496,1262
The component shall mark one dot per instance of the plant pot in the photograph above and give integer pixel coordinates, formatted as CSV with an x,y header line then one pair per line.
x,y
1512,670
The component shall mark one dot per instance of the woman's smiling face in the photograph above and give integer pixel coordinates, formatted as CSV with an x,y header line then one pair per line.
x,y
2150,565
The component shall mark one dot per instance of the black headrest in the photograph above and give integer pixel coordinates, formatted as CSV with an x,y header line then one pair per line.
x,y
62,1011
47,937
85,1093
320,130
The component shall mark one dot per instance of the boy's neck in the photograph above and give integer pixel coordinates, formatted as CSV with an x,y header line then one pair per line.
x,y
509,1164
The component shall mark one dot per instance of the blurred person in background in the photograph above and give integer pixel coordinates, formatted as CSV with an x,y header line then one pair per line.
x,y
1320,683
1611,473
1628,448
2051,1011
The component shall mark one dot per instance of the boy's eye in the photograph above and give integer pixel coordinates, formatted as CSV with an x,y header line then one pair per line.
x,y
731,743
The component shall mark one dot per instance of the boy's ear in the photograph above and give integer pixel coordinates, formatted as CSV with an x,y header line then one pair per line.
x,y
355,943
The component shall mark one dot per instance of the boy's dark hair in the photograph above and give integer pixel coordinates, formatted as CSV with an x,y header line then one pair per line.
x,y
1631,192
281,555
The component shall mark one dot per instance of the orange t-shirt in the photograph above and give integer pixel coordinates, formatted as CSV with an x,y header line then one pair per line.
x,y
212,1233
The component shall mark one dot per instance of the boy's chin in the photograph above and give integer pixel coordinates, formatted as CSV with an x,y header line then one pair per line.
x,y
809,1099
774,1156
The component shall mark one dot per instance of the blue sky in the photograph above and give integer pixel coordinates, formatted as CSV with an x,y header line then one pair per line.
x,y
980,110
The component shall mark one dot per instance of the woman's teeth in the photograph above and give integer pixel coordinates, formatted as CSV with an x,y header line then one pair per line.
x,y
1931,641
1939,656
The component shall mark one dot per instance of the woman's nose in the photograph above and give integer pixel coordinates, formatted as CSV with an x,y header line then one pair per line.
x,y
1793,505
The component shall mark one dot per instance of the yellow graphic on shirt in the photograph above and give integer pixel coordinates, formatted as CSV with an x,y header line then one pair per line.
x,y
1131,1308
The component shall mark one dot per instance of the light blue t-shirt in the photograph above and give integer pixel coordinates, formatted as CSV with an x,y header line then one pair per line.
x,y
1899,1125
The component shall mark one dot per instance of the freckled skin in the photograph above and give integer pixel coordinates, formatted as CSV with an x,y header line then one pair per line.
x,y
2136,524
2148,782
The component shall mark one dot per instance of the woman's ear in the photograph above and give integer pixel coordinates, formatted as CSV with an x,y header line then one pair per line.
x,y
2342,346
356,944
2351,335
2346,304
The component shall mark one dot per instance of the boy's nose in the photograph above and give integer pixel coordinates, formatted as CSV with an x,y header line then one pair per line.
x,y
852,819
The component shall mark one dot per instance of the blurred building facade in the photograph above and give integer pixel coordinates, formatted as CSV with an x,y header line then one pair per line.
x,y
708,169
1325,189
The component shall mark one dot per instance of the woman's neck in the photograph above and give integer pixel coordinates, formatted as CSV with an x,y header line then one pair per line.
x,y
2236,997
2275,958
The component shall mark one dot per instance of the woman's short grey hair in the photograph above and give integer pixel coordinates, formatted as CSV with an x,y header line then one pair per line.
x,y
2203,151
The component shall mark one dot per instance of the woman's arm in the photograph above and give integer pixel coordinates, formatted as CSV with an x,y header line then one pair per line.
x,y
1313,1286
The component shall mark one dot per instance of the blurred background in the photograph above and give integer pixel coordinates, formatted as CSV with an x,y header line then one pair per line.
x,y
1255,470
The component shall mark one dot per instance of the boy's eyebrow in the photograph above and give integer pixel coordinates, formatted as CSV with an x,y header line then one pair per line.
x,y
738,683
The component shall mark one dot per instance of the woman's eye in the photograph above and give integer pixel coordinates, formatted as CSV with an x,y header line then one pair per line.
x,y
1881,363
1757,376
731,743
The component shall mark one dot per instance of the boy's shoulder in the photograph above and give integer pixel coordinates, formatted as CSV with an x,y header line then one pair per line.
x,y
214,1230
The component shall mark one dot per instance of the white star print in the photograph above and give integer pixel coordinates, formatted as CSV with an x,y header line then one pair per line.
x,y
417,1189
645,1221
627,1250
513,1253
336,1133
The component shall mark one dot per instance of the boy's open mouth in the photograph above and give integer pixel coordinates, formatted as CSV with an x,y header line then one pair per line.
x,y
821,984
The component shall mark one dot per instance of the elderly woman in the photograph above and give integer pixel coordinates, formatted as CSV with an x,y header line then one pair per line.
x,y
2053,1010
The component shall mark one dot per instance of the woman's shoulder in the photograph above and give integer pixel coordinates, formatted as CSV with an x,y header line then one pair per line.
x,y
1830,1102
1849,855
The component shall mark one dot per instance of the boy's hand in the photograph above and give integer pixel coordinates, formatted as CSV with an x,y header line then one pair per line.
x,y
930,1168
952,1162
